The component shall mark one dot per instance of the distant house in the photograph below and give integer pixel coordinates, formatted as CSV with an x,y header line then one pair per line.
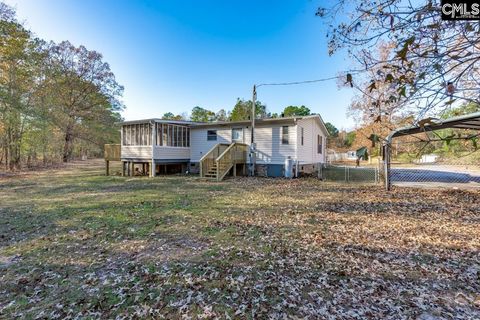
x,y
217,148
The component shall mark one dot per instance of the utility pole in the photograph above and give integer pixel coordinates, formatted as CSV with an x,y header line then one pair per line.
x,y
252,153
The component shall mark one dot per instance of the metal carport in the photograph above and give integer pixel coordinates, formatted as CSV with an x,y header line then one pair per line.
x,y
469,122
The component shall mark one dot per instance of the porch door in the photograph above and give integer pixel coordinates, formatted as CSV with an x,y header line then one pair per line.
x,y
237,135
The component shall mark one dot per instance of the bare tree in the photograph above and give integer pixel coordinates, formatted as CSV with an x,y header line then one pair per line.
x,y
432,64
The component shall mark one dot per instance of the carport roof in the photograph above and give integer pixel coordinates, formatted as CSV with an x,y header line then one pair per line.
x,y
470,121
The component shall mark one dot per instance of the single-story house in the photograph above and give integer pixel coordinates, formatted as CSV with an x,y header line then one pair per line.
x,y
217,148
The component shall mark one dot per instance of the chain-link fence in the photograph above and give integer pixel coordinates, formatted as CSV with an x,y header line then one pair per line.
x,y
446,158
343,168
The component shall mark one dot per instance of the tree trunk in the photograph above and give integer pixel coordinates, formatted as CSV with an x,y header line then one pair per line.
x,y
68,146
14,151
7,159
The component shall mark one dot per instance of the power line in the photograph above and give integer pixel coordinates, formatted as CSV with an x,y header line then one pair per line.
x,y
297,82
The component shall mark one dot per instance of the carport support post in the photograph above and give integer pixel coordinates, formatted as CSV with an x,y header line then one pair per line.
x,y
386,165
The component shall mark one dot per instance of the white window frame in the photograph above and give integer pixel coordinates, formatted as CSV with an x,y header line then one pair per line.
x,y
211,136
241,138
285,135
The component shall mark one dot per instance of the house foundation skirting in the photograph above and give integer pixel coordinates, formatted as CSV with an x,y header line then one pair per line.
x,y
143,167
139,167
267,170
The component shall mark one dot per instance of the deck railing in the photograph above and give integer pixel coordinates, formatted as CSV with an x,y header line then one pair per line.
x,y
217,162
207,162
112,152
235,153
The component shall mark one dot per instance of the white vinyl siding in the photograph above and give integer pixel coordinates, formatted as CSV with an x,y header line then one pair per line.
x,y
270,149
171,153
200,145
307,153
160,153
137,152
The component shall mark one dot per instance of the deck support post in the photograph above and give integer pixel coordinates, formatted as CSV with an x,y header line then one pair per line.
x,y
152,169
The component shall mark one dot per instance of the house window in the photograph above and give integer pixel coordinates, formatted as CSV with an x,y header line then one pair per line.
x,y
319,144
285,135
237,134
301,138
212,135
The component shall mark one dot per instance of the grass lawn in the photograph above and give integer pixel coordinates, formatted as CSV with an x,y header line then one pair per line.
x,y
74,243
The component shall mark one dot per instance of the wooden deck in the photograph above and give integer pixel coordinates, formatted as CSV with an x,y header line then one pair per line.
x,y
112,152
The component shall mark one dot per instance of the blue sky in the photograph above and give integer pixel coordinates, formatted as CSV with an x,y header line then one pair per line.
x,y
174,55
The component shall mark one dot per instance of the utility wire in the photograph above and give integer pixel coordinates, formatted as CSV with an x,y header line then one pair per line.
x,y
297,82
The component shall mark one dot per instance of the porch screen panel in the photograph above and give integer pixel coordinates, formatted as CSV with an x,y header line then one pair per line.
x,y
158,134
164,134
180,136
170,135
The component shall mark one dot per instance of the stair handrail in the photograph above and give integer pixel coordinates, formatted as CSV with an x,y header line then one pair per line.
x,y
211,150
233,159
209,156
234,144
225,152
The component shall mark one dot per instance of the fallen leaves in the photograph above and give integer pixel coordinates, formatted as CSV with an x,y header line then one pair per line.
x,y
245,248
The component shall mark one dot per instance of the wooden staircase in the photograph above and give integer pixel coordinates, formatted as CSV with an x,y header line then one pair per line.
x,y
218,162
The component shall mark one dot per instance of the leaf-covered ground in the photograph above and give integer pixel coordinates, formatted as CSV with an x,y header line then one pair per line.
x,y
76,244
